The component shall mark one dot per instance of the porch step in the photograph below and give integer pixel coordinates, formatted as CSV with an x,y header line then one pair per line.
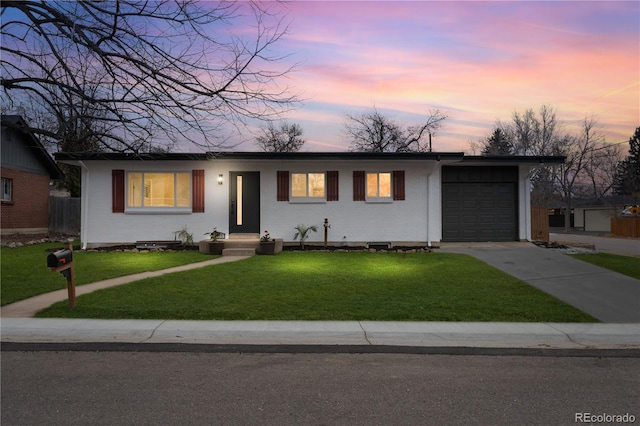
x,y
236,236
238,251
236,243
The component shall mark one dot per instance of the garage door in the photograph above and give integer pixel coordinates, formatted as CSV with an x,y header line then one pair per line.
x,y
479,203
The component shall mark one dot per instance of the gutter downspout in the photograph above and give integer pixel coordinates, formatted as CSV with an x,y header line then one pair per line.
x,y
428,212
428,203
85,205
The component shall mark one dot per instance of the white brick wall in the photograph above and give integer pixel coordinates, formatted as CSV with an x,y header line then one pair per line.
x,y
416,219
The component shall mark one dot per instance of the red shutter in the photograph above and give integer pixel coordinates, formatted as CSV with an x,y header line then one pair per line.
x,y
117,191
283,185
398,185
358,185
332,185
197,191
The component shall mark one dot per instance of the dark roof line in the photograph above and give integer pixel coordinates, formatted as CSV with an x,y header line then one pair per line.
x,y
346,155
122,156
17,123
331,156
526,159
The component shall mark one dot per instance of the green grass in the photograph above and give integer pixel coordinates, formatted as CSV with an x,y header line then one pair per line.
x,y
24,271
330,286
626,265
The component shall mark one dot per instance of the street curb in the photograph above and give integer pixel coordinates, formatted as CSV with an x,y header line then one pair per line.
x,y
316,349
331,333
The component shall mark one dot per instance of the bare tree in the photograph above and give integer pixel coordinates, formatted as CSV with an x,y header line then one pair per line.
x,y
579,150
588,171
601,169
284,138
374,132
170,66
532,133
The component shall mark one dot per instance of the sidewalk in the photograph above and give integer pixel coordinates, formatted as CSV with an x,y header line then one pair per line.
x,y
357,333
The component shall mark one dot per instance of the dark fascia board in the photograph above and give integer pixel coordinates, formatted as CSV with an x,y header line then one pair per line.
x,y
451,157
513,159
337,156
347,156
121,156
17,123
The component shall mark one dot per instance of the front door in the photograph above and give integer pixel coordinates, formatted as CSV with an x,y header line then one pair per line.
x,y
244,202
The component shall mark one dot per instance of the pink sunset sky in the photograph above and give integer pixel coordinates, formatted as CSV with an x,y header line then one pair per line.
x,y
477,61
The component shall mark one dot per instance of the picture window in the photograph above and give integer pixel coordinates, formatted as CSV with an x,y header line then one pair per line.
x,y
158,190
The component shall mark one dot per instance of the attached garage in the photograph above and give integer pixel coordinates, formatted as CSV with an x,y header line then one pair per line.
x,y
480,203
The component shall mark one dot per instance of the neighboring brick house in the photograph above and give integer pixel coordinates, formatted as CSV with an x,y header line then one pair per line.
x,y
26,169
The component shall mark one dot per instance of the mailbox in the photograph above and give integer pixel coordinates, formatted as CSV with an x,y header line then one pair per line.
x,y
62,261
60,258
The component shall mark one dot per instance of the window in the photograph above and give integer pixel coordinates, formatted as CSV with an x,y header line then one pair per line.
x,y
307,185
379,186
158,190
7,189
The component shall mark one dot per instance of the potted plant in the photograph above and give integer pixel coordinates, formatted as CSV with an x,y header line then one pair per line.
x,y
213,245
267,244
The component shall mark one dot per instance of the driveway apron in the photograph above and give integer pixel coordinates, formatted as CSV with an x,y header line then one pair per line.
x,y
604,294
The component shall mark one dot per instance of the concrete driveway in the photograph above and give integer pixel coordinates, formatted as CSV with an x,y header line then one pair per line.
x,y
606,295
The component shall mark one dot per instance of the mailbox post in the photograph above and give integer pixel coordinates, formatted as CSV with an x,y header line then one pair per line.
x,y
62,261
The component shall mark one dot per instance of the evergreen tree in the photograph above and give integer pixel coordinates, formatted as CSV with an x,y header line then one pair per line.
x,y
498,144
627,177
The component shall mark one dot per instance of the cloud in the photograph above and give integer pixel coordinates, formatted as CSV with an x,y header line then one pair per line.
x,y
482,60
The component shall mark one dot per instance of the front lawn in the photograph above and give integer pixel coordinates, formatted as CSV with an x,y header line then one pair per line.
x,y
24,271
330,286
626,265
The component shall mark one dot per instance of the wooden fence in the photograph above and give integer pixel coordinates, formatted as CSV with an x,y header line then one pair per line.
x,y
626,226
64,215
539,223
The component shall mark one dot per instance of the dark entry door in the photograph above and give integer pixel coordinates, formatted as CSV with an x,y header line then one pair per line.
x,y
244,202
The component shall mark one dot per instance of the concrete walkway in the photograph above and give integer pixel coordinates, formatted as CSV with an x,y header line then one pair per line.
x,y
604,294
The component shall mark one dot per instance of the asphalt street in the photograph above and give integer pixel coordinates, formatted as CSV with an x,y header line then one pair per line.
x,y
149,388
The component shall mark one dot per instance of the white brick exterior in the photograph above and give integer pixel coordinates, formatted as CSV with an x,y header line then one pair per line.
x,y
415,220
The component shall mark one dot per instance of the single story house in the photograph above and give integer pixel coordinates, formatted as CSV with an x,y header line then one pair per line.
x,y
395,198
26,170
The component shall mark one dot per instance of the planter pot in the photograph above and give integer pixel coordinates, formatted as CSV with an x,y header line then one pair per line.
x,y
268,247
211,247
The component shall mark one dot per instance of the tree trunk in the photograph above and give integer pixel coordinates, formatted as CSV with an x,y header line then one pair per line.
x,y
567,216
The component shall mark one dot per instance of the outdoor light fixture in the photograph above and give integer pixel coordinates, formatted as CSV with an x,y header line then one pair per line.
x,y
220,179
